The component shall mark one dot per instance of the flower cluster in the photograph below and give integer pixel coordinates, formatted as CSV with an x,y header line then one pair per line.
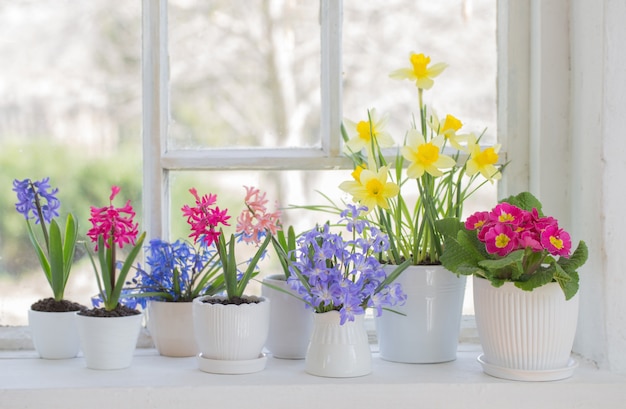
x,y
513,242
507,228
205,219
333,273
38,201
434,150
178,272
255,221
113,227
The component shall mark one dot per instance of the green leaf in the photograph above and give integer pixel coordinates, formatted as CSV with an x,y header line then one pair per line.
x,y
121,278
251,270
57,279
567,281
541,277
449,227
576,260
69,246
525,201
41,254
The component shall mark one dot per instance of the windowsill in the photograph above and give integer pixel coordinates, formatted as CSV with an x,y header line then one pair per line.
x,y
160,382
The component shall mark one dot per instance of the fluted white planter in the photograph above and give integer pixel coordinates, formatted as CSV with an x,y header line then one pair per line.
x,y
231,337
171,327
338,351
109,342
291,323
428,329
55,334
525,335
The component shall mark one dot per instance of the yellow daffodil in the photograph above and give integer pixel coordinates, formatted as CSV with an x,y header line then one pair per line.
x,y
371,189
449,129
363,133
483,161
425,156
420,72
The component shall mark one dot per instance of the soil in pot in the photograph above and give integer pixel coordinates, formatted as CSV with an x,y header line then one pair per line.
x,y
52,305
234,300
119,311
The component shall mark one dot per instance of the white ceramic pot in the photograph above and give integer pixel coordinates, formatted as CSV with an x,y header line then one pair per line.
x,y
291,323
428,332
525,335
338,351
108,342
231,333
55,334
171,327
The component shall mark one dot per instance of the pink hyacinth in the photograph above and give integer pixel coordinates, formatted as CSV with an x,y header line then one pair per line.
x,y
114,223
205,219
255,221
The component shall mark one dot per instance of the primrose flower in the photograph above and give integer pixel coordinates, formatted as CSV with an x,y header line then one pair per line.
x,y
30,193
204,219
371,189
500,239
365,130
420,71
483,161
556,241
114,224
425,156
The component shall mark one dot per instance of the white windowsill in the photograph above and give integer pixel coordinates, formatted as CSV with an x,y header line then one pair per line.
x,y
154,381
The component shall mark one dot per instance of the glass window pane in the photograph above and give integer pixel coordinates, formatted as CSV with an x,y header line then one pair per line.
x,y
244,73
461,34
70,109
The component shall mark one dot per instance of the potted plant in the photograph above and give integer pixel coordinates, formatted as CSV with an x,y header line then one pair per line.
x,y
525,287
179,272
51,320
231,330
108,334
291,323
339,278
443,168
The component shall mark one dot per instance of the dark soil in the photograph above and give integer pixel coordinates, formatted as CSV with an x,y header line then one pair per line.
x,y
119,311
52,305
234,300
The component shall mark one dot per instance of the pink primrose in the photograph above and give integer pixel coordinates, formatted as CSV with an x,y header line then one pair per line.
x,y
500,239
556,241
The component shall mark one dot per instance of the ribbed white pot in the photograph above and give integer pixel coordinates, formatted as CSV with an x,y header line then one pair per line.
x,y
55,334
171,327
338,351
231,332
109,342
525,330
291,323
427,330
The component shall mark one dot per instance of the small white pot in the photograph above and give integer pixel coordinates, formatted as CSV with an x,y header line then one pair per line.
x,y
231,332
338,351
109,342
291,323
55,334
171,327
525,335
427,330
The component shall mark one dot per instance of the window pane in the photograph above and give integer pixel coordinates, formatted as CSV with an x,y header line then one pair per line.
x,y
244,73
70,109
459,33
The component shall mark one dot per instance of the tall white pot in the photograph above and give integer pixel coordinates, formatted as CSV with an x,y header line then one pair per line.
x,y
55,334
428,329
291,323
109,342
231,337
171,326
338,351
525,335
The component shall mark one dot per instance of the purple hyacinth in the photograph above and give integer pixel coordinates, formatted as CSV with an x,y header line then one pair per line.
x,y
36,199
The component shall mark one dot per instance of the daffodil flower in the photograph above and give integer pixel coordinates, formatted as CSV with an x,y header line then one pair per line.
x,y
363,133
371,189
425,156
483,161
420,72
449,129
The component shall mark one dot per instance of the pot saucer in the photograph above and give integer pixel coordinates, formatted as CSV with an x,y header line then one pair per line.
x,y
526,375
218,366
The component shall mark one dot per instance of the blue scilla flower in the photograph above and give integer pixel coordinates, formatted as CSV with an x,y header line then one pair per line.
x,y
31,195
350,216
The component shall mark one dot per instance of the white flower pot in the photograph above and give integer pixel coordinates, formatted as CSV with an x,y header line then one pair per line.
x,y
109,342
171,327
231,337
55,334
428,332
291,323
338,351
525,335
